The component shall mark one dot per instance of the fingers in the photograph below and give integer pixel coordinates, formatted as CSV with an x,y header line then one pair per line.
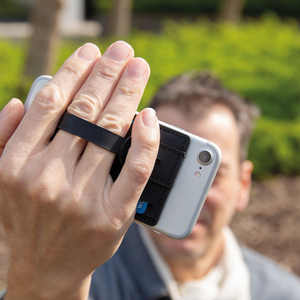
x,y
116,117
10,117
41,120
94,95
104,90
96,91
138,166
125,98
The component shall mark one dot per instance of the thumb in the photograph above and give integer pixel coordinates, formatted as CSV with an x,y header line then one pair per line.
x,y
139,163
10,117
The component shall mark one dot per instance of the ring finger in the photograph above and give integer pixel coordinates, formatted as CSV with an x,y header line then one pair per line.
x,y
116,117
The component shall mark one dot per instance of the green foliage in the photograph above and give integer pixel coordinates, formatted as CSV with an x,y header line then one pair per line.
x,y
260,60
11,66
275,148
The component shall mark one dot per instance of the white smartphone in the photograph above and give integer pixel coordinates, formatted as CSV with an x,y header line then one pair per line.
x,y
181,178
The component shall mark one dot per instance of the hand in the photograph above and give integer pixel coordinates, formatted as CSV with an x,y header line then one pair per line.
x,y
63,215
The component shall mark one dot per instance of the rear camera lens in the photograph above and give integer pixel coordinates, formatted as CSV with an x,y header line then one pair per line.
x,y
205,157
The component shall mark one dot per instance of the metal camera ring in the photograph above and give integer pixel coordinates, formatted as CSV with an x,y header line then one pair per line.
x,y
205,156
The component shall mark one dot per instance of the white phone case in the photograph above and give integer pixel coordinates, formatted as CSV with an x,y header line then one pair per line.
x,y
191,186
189,191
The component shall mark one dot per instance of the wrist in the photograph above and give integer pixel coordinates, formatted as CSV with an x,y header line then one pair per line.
x,y
21,286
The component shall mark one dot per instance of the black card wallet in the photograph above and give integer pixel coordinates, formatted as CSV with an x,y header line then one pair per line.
x,y
172,150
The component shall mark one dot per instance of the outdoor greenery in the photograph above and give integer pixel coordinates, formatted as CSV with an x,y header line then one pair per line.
x,y
17,10
275,148
12,56
286,7
260,60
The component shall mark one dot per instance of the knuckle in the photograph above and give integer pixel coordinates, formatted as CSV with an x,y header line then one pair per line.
x,y
49,98
6,176
39,190
86,106
73,70
111,123
129,91
108,70
45,194
150,146
140,171
9,174
142,165
42,187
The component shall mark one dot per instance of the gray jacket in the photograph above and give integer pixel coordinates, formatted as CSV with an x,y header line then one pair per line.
x,y
130,275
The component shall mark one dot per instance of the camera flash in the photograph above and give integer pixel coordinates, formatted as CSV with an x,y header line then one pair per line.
x,y
197,174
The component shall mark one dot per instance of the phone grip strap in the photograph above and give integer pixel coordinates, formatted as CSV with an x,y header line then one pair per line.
x,y
91,132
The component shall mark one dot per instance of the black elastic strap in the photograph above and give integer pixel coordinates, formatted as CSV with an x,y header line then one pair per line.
x,y
91,132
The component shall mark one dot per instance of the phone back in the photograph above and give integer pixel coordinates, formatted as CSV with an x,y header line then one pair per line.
x,y
190,189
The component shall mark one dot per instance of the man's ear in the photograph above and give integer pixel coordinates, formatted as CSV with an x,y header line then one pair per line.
x,y
246,182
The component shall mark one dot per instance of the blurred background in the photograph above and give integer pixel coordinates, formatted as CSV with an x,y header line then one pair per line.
x,y
252,45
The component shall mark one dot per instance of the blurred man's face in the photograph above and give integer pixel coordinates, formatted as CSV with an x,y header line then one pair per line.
x,y
228,192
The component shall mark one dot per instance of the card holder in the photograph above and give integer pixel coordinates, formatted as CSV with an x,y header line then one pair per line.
x,y
172,150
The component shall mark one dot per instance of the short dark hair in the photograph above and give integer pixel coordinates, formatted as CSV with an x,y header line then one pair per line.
x,y
194,93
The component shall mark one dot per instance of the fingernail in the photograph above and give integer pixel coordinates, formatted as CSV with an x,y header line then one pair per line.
x,y
7,108
137,68
118,51
149,117
88,52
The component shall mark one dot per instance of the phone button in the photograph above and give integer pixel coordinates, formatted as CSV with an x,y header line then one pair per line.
x,y
157,232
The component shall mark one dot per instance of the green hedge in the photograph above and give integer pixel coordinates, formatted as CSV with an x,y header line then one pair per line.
x,y
261,60
11,65
275,148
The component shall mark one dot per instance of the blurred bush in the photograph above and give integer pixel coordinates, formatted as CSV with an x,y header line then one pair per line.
x,y
260,60
275,148
11,65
